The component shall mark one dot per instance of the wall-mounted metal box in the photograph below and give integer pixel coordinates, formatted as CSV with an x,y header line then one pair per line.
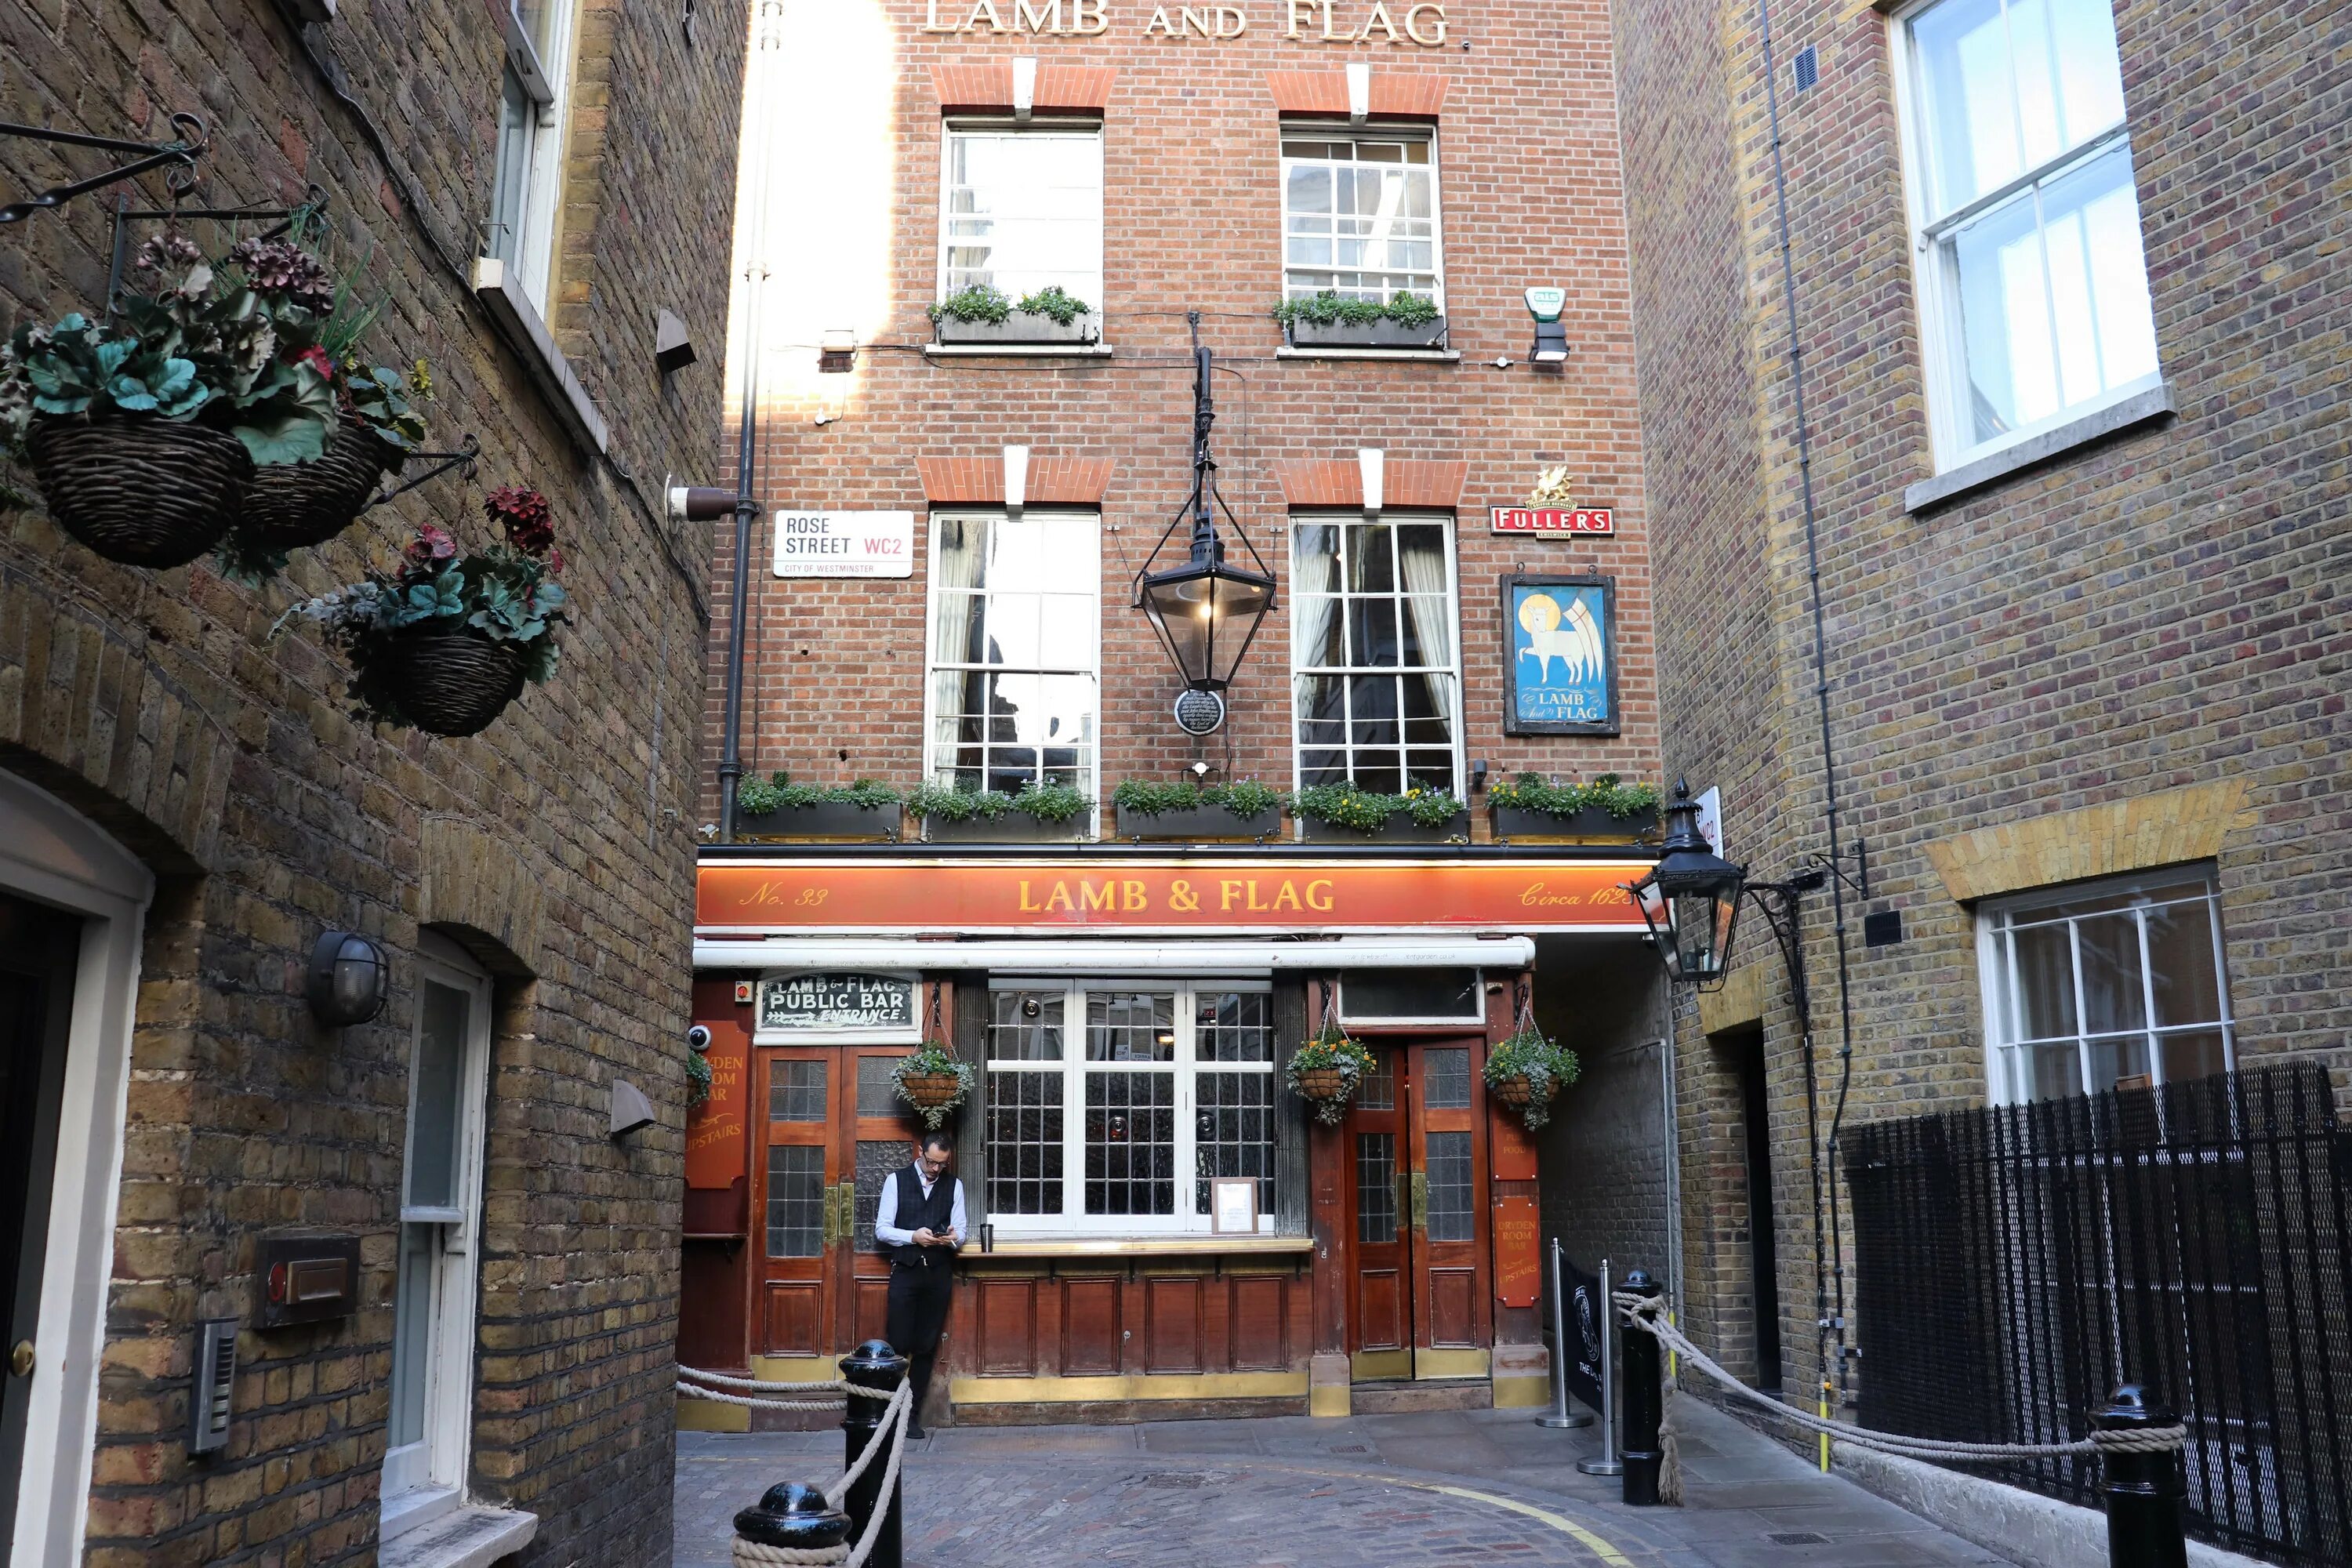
x,y
308,1280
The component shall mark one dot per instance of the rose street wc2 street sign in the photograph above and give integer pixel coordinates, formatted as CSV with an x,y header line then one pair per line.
x,y
844,543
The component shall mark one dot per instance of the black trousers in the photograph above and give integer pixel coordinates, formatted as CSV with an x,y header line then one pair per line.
x,y
919,1310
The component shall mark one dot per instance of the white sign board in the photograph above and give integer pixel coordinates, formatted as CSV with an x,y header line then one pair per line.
x,y
1710,820
844,543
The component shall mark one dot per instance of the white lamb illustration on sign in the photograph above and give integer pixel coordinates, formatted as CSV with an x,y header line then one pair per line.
x,y
1570,636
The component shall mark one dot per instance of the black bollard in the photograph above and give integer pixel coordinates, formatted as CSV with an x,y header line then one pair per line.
x,y
793,1515
1640,1399
2144,1490
873,1364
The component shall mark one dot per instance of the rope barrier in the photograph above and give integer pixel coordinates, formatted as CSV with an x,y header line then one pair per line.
x,y
898,1413
690,1382
1648,1312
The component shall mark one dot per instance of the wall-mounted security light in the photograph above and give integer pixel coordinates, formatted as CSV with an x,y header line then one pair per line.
x,y
631,1111
347,979
1549,352
673,347
836,354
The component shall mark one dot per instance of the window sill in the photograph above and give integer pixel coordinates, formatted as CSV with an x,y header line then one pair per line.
x,y
468,1538
1432,356
1136,1246
2100,424
501,294
1016,351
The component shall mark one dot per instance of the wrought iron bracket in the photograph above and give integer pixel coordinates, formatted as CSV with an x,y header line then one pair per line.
x,y
177,157
290,220
467,454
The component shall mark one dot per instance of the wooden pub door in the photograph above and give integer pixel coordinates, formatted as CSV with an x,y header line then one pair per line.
x,y
1415,1138
836,1133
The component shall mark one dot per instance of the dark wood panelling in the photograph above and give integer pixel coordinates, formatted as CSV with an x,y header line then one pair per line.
x,y
711,1303
795,1316
1004,1313
1172,1321
1454,1316
1379,1309
1260,1322
871,1305
1090,1328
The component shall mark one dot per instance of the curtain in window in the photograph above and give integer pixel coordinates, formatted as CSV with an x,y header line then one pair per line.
x,y
1420,560
960,562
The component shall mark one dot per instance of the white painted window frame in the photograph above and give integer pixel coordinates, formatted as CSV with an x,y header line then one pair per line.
x,y
1935,287
1376,131
933,666
51,853
1997,985
1454,621
425,1480
1074,1221
1068,129
547,80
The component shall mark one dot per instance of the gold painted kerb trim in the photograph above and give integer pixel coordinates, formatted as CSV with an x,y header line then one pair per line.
x,y
1150,1385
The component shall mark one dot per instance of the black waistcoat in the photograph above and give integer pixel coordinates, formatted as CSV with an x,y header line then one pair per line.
x,y
916,1212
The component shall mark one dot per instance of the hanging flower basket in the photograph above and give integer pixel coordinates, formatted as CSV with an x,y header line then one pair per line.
x,y
1527,1071
934,1083
295,504
1326,1070
145,492
449,678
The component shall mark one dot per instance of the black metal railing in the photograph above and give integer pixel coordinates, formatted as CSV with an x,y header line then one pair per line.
x,y
2013,1263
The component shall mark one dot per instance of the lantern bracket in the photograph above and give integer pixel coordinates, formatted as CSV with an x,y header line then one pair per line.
x,y
177,157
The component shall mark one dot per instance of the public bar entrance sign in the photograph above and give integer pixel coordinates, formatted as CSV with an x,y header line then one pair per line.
x,y
1203,898
878,1005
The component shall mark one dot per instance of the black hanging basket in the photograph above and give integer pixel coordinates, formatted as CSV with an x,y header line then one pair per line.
x,y
140,490
297,504
450,679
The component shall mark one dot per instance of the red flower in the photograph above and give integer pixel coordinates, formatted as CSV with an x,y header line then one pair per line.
x,y
529,521
430,546
316,358
555,562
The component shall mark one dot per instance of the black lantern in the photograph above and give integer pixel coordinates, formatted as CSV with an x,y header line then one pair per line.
x,y
1690,900
1206,609
348,979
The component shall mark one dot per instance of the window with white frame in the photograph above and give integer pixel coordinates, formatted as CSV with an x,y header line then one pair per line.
x,y
2106,983
534,88
1020,209
425,1462
1375,673
1015,640
1360,214
1112,1103
2033,284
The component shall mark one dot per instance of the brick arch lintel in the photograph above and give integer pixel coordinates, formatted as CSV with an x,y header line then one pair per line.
x,y
980,480
1407,483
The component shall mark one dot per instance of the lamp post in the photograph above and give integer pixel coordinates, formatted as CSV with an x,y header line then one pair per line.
x,y
1206,609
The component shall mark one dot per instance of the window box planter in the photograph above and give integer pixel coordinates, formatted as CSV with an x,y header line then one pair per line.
x,y
1523,824
1200,823
1013,828
1398,829
1021,327
1380,334
826,820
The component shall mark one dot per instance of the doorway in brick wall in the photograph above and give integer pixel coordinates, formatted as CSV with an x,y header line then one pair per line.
x,y
1746,1050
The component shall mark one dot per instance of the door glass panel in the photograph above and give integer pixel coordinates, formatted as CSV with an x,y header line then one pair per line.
x,y
877,1093
796,1092
1233,1133
1131,1026
879,1159
439,1065
1449,1079
1026,1025
1376,1091
1130,1142
1024,1143
411,1334
795,1200
1449,1217
1376,1214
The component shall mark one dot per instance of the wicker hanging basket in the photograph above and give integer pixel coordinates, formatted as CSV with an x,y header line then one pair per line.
x,y
1516,1090
928,1090
1323,1083
140,490
449,678
297,504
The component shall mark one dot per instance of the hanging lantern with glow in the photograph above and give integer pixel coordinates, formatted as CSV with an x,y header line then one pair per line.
x,y
1205,609
1690,900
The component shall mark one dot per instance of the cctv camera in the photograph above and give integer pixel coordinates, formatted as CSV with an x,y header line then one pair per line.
x,y
698,1037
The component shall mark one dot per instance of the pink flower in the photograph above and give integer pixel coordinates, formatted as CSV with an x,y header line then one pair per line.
x,y
430,546
316,358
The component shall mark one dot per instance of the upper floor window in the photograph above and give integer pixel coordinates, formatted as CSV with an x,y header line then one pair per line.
x,y
1015,634
2106,985
2033,288
1374,672
1359,214
528,177
1022,209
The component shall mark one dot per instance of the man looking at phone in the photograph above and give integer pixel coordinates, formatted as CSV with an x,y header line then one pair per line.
x,y
921,1223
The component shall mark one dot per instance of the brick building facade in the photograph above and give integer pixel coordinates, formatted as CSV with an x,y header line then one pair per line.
x,y
195,794
2083,657
1192,153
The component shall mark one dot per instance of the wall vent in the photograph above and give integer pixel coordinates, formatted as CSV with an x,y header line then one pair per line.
x,y
1806,67
216,1373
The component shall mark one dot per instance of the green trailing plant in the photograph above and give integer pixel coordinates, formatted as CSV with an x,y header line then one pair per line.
x,y
934,1060
382,399
1242,798
1330,1051
697,1080
1049,802
757,798
1330,308
507,591
1533,791
1547,1068
1051,301
1345,805
980,302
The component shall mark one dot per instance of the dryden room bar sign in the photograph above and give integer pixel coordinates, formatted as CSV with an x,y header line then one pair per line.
x,y
1307,21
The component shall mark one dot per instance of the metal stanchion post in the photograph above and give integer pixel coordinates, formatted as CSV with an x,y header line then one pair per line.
x,y
2145,1529
1607,1463
795,1517
873,1364
1559,1414
1643,1398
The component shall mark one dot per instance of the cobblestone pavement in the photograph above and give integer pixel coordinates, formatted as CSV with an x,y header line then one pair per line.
x,y
1377,1491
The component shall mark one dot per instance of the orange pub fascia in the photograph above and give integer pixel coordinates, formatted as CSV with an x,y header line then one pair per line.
x,y
1161,1226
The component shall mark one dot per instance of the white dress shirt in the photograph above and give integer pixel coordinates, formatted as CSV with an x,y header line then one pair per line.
x,y
885,1218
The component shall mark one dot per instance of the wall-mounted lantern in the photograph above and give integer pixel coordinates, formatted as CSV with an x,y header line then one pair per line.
x,y
348,979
